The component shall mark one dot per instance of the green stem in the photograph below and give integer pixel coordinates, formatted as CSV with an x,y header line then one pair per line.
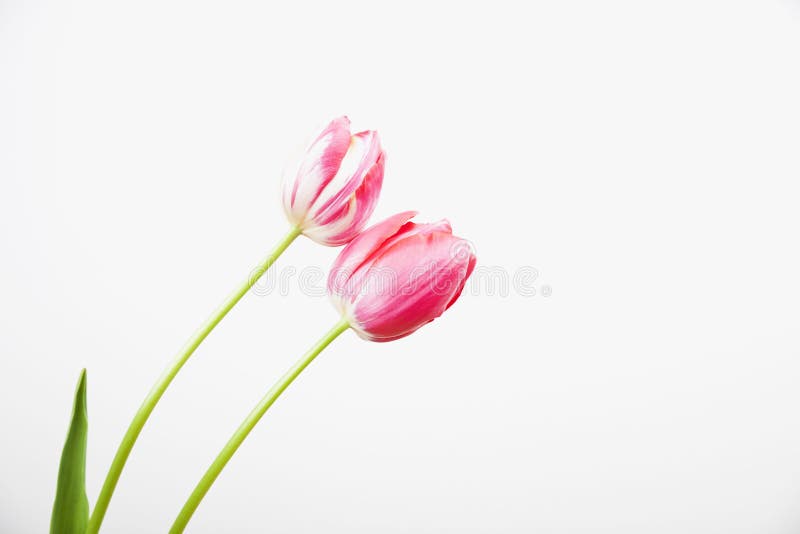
x,y
250,421
166,377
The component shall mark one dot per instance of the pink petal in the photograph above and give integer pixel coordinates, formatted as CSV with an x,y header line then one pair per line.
x,y
407,230
467,272
411,228
361,248
426,277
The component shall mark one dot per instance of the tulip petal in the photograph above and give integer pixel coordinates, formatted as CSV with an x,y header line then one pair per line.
x,y
319,166
424,276
411,229
361,248
467,272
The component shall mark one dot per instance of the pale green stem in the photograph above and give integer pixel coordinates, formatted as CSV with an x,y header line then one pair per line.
x,y
250,421
166,377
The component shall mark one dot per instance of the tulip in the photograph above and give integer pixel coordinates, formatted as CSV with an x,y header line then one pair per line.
x,y
398,276
336,186
426,267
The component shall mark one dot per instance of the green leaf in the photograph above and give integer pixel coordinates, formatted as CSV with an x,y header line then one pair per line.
x,y
71,507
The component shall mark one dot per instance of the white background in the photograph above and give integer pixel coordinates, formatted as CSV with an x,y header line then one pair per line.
x,y
642,156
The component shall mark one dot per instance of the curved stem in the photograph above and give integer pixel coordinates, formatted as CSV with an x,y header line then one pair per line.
x,y
169,373
247,425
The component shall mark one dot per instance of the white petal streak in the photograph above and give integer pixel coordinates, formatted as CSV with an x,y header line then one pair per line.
x,y
310,177
358,150
323,233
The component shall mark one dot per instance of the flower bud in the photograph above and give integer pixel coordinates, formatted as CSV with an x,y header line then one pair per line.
x,y
336,185
398,276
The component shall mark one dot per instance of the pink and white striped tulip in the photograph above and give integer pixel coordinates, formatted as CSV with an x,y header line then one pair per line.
x,y
398,276
336,185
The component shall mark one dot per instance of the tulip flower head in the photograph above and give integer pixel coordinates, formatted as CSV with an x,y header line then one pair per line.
x,y
336,185
399,275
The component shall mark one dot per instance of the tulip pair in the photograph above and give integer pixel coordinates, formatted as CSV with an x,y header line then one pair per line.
x,y
389,280
330,198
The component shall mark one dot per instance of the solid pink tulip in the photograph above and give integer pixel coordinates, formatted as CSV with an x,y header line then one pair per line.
x,y
398,276
337,183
